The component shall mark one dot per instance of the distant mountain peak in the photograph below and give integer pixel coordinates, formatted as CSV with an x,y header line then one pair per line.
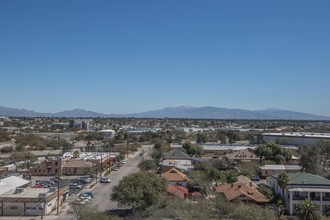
x,y
181,111
179,107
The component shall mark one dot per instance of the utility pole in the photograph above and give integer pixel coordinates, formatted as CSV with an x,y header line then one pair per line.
x,y
109,161
101,163
58,186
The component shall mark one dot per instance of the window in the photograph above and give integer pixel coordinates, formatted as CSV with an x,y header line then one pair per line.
x,y
56,163
13,207
28,208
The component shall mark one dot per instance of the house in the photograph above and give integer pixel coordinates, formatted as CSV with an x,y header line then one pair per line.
x,y
238,192
243,179
240,156
303,186
175,177
268,170
177,191
176,158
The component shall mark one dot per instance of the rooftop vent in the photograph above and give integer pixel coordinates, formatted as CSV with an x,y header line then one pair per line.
x,y
18,190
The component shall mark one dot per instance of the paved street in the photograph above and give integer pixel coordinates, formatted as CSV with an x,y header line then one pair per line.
x,y
103,190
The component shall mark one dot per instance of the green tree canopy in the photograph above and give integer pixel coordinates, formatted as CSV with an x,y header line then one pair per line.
x,y
139,190
147,165
309,157
192,149
272,151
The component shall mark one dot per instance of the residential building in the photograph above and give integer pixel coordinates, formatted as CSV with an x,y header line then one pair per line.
x,y
240,156
272,169
175,177
179,159
220,150
244,180
242,192
177,191
303,186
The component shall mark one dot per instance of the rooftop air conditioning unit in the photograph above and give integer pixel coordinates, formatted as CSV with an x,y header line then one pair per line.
x,y
19,190
42,195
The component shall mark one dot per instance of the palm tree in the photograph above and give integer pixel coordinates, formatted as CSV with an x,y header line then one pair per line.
x,y
283,180
308,210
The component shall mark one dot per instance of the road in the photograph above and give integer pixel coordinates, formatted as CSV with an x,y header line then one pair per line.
x,y
103,191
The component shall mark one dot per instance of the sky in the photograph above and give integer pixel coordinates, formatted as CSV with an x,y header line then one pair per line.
x,y
133,56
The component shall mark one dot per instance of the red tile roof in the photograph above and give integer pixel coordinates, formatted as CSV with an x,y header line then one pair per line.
x,y
178,191
173,175
235,190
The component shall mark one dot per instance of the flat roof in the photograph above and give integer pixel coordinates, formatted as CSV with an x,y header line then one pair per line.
x,y
26,193
299,134
11,182
280,167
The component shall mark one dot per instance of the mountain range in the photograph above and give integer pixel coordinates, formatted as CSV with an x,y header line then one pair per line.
x,y
175,112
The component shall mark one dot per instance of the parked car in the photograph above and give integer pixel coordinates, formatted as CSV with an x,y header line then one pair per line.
x,y
123,161
75,186
105,180
90,194
56,178
116,169
84,196
38,186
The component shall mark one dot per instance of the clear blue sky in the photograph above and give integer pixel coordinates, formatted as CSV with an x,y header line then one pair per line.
x,y
132,56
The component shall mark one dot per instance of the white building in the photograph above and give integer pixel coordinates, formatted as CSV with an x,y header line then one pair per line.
x,y
296,138
268,170
303,186
108,133
29,201
12,182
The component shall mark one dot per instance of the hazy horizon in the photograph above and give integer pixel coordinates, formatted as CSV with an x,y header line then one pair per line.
x,y
119,57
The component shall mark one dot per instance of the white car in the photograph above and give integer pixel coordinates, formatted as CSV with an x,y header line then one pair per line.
x,y
105,180
75,186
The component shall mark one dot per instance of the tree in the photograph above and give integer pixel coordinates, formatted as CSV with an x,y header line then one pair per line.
x,y
309,157
201,138
283,180
139,190
272,151
86,212
308,210
192,149
147,165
